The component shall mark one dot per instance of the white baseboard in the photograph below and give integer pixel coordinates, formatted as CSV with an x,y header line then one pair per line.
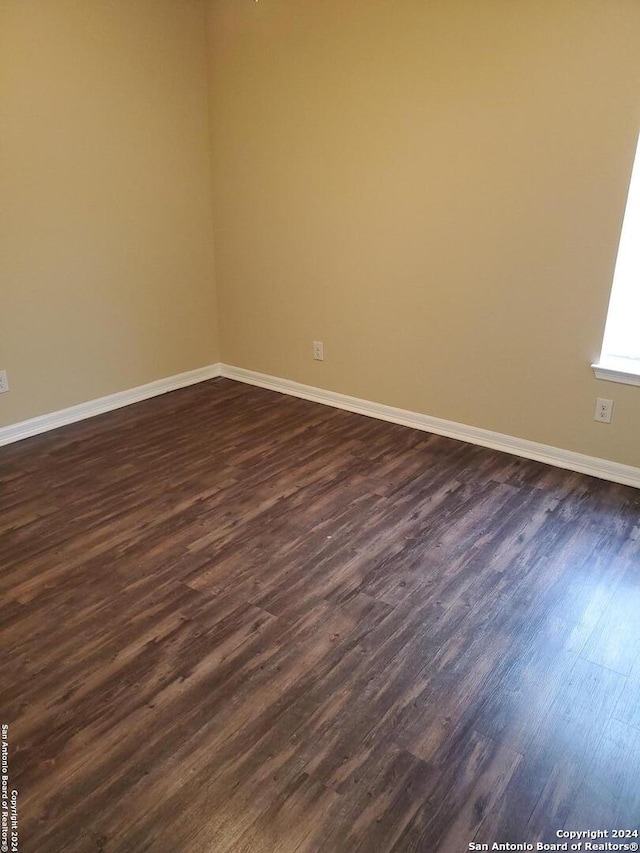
x,y
602,468
44,423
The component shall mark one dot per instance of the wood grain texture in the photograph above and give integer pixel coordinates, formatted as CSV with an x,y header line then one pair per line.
x,y
238,621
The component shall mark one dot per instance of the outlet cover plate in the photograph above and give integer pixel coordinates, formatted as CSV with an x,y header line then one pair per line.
x,y
604,410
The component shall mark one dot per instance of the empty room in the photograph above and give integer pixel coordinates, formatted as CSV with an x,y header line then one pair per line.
x,y
319,426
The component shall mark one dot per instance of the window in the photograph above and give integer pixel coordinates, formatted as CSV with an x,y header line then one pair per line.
x,y
620,358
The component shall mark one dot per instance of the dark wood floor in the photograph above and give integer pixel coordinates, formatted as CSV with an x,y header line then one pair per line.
x,y
238,621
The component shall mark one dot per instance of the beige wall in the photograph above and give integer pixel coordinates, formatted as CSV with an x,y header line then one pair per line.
x,y
435,190
106,253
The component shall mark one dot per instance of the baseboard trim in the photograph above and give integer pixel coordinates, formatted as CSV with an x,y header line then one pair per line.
x,y
44,423
604,469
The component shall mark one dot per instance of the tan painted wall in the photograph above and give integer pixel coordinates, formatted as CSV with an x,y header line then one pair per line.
x,y
435,190
106,252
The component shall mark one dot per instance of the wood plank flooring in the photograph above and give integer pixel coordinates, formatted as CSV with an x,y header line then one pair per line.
x,y
237,621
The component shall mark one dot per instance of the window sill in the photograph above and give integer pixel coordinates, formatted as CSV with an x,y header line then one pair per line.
x,y
624,370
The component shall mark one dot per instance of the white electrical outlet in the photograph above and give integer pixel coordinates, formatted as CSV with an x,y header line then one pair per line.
x,y
318,350
4,381
604,411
